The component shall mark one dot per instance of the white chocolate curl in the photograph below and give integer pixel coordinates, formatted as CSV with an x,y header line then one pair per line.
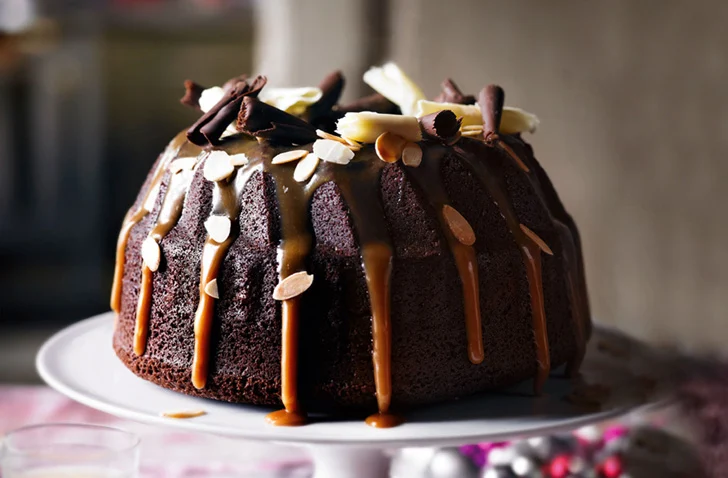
x,y
513,120
291,100
391,82
366,126
210,97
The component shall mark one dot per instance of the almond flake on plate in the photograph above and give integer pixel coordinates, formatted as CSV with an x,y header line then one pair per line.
x,y
212,290
218,227
305,168
537,240
293,285
218,166
332,151
289,156
183,413
151,253
182,164
389,147
412,155
459,226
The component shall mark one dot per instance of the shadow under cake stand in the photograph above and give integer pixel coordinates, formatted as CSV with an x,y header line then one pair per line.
x,y
621,374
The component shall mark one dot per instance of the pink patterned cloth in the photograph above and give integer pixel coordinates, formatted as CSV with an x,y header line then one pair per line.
x,y
165,453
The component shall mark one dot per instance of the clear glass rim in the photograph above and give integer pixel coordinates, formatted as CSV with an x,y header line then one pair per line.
x,y
7,445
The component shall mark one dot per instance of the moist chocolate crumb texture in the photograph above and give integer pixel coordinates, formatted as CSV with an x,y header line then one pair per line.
x,y
367,258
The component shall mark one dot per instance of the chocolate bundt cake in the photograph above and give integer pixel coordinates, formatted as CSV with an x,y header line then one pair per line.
x,y
392,252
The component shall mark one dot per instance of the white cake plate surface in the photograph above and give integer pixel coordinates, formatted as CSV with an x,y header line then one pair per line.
x,y
79,362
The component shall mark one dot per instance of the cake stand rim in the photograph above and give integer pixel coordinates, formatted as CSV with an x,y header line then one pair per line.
x,y
378,438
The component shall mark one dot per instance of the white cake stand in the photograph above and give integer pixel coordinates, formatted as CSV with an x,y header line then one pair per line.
x,y
80,363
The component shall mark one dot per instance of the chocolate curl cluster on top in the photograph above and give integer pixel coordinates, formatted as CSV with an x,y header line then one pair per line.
x,y
442,126
325,112
491,107
210,126
452,94
265,121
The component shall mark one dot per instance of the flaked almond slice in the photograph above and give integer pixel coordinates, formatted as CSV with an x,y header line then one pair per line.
x,y
218,166
218,227
537,240
183,413
182,164
355,145
349,143
459,226
239,159
212,290
151,253
389,147
293,285
289,156
324,135
332,151
305,168
412,155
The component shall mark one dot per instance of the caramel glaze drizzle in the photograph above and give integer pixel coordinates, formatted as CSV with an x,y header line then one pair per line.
x,y
226,197
132,218
477,163
359,186
428,178
295,245
169,214
576,283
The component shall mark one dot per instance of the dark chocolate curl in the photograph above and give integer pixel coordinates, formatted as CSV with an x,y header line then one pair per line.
x,y
331,88
376,103
443,126
235,81
491,107
452,94
288,134
263,120
193,91
210,126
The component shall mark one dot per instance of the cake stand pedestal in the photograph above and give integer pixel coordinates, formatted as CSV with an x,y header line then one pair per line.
x,y
79,362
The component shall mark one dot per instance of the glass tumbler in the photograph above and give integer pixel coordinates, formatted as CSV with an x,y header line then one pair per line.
x,y
69,451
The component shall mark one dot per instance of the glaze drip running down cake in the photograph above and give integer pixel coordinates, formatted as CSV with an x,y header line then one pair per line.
x,y
288,250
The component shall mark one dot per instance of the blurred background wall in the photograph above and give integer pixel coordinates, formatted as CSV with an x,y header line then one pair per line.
x,y
631,95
